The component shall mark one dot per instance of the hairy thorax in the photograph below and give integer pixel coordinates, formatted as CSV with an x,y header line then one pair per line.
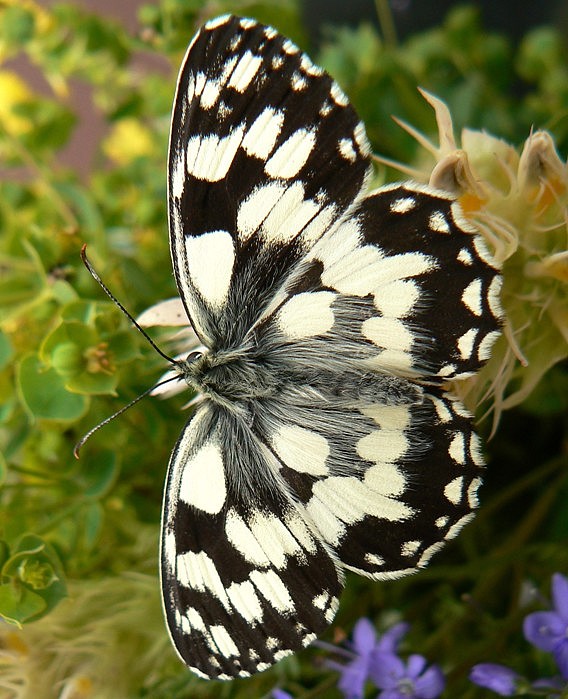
x,y
233,377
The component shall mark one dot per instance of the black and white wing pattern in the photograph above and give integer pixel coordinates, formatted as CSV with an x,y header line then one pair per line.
x,y
325,439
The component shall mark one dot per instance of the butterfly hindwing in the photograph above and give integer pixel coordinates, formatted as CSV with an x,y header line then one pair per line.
x,y
245,581
400,285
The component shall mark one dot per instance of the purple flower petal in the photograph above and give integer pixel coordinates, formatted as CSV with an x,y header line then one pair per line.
x,y
389,641
431,684
561,657
499,678
386,670
549,683
280,694
391,694
364,636
415,665
560,595
544,630
353,678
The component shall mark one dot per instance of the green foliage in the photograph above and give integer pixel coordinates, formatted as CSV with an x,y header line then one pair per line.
x,y
68,358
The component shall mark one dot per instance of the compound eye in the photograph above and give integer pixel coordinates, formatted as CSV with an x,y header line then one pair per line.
x,y
193,357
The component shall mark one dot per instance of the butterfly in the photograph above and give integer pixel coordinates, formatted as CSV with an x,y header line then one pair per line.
x,y
324,438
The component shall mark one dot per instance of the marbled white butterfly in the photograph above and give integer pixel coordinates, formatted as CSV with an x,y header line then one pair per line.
x,y
324,439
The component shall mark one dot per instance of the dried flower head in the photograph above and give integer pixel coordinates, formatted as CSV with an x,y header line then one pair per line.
x,y
519,203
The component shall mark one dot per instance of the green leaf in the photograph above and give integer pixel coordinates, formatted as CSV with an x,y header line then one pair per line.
x,y
18,604
101,477
17,26
44,393
6,351
37,580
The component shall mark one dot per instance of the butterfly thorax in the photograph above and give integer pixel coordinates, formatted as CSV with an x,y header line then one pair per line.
x,y
230,376
233,377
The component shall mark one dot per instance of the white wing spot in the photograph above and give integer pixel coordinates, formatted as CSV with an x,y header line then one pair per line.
x,y
438,223
244,72
403,205
351,500
457,448
472,499
389,417
471,297
389,333
442,410
384,445
202,483
290,48
475,450
385,479
482,250
260,138
307,314
356,273
210,260
256,207
397,299
447,370
346,149
198,572
273,590
242,538
177,180
374,559
217,22
289,216
209,157
299,83
409,548
227,647
466,342
245,600
289,158
453,490
464,256
441,522
360,136
338,96
301,449
273,535
494,296
486,345
308,67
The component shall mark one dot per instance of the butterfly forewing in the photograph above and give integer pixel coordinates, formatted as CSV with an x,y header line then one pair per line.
x,y
324,439
265,154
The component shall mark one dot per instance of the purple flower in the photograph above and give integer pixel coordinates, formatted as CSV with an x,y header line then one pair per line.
x,y
280,694
363,651
549,630
410,680
499,678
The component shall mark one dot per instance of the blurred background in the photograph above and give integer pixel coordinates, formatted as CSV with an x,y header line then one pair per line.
x,y
86,90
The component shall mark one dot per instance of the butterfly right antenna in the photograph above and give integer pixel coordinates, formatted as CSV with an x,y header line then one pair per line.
x,y
112,297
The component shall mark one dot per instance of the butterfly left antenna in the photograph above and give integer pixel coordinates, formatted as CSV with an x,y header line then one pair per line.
x,y
124,408
112,297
